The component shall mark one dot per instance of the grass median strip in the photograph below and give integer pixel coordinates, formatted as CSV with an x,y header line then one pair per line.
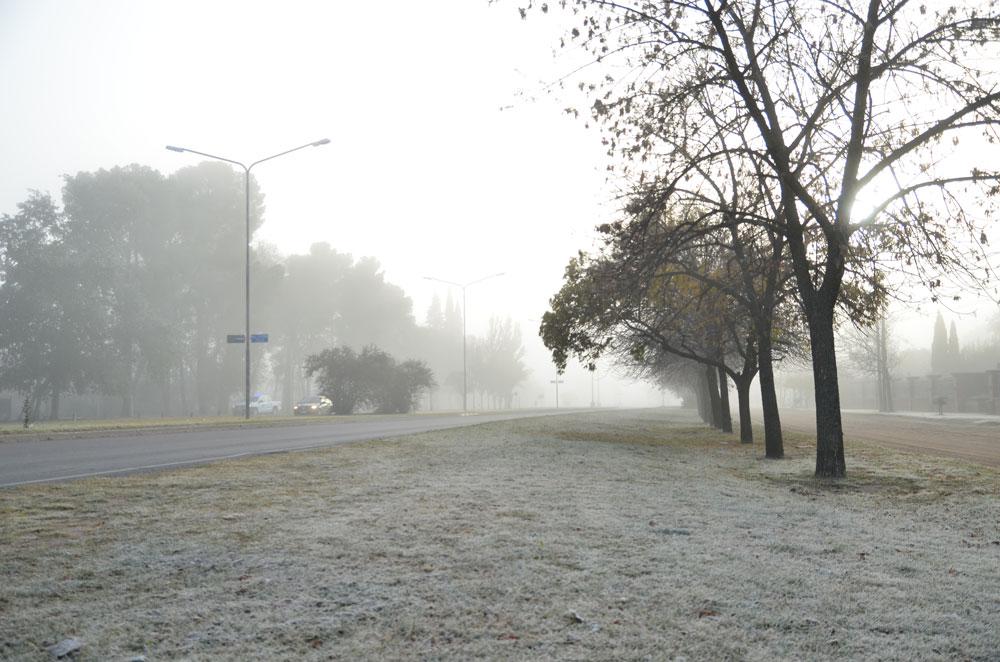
x,y
613,535
87,428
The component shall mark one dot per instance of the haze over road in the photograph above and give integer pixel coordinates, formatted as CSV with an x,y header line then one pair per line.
x,y
49,460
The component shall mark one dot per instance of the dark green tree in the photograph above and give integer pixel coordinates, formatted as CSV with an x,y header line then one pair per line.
x,y
47,339
207,218
370,379
954,350
338,377
939,348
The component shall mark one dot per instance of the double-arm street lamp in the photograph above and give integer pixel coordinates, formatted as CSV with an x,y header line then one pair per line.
x,y
465,370
246,181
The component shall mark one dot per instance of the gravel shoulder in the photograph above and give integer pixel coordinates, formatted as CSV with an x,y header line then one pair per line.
x,y
607,535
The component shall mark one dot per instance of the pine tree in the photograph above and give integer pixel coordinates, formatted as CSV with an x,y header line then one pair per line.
x,y
939,347
954,353
435,315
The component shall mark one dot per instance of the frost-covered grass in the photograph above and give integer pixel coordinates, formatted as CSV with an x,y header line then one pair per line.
x,y
612,535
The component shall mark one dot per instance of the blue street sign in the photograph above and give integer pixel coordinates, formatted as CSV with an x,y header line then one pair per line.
x,y
258,337
236,338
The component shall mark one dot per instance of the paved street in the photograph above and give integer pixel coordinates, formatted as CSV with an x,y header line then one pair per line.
x,y
41,460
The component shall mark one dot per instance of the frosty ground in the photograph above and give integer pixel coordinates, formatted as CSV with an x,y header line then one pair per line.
x,y
609,535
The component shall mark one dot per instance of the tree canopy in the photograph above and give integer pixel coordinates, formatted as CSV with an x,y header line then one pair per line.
x,y
852,114
368,379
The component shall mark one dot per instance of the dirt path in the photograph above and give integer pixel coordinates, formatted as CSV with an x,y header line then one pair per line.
x,y
964,438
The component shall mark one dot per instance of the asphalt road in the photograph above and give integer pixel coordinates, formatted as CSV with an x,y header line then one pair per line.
x,y
50,460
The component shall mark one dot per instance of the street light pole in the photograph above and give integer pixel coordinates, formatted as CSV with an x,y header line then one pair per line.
x,y
246,183
465,370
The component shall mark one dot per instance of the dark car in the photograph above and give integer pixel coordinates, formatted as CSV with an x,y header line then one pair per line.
x,y
315,404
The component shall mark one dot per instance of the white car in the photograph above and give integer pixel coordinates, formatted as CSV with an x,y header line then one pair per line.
x,y
260,405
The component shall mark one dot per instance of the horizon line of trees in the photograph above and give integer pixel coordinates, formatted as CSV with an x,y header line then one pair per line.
x,y
130,287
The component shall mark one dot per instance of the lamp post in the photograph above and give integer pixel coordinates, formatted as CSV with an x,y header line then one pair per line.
x,y
465,371
246,182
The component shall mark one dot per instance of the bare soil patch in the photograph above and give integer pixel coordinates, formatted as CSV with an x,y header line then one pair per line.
x,y
945,436
609,536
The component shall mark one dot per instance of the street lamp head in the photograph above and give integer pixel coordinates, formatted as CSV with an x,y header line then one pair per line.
x,y
176,149
324,141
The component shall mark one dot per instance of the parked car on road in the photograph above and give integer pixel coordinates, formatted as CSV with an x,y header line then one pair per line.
x,y
260,404
313,405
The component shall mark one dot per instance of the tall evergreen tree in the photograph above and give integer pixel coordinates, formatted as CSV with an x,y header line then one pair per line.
x,y
939,347
435,315
954,352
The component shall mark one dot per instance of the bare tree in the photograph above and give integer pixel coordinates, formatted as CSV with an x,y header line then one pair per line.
x,y
870,351
853,106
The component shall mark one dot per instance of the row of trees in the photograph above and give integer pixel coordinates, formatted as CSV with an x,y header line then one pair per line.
x,y
130,287
130,281
789,161
495,361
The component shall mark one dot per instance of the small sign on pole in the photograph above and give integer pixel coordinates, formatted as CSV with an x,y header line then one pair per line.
x,y
236,338
258,337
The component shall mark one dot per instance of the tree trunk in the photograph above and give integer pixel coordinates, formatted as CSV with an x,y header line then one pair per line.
x,y
830,461
703,399
36,404
883,352
715,404
288,397
128,406
774,447
743,397
725,413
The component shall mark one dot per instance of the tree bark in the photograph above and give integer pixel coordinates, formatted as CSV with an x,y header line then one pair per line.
x,y
886,378
830,461
725,413
702,398
743,398
715,404
774,447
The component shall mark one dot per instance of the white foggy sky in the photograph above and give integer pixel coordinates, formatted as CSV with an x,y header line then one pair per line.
x,y
424,172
